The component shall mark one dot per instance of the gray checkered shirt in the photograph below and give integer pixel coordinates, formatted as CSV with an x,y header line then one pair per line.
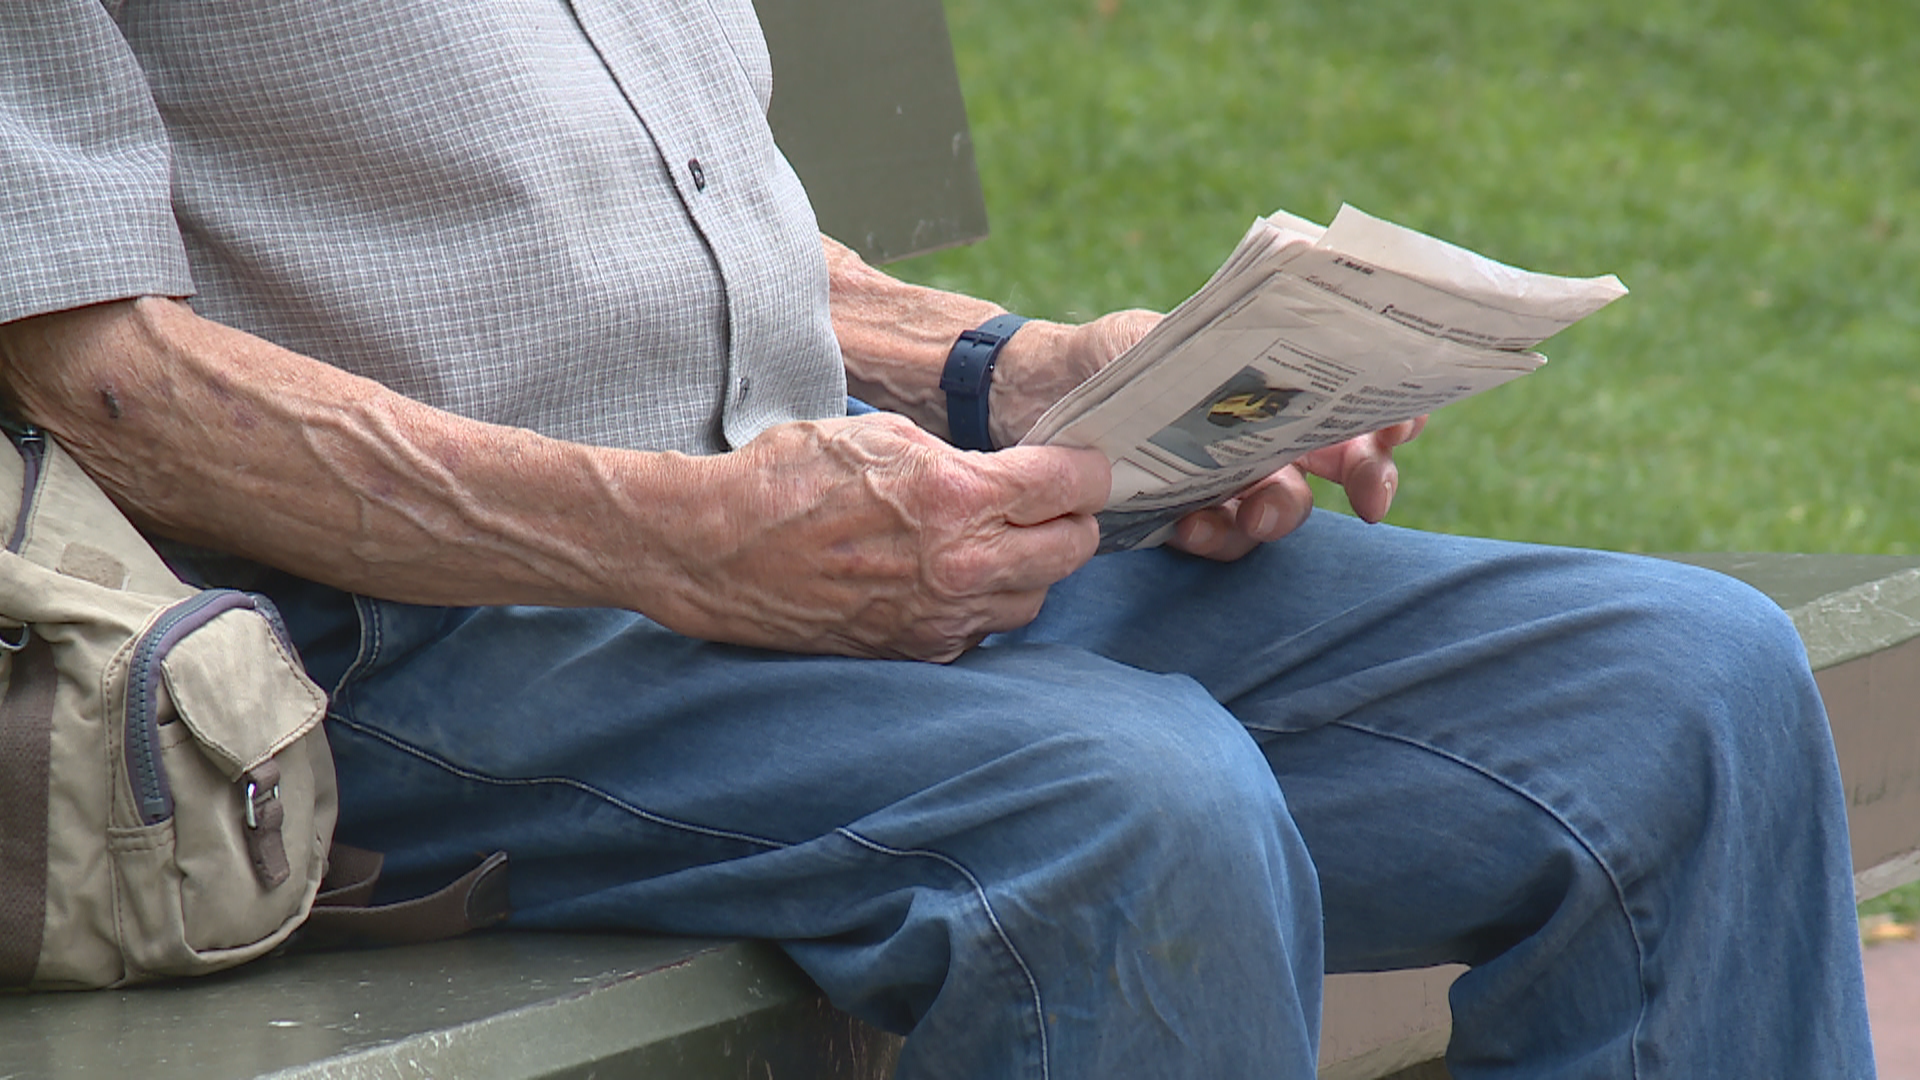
x,y
569,217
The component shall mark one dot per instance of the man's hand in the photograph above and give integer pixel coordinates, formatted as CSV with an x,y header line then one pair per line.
x,y
895,338
867,536
1045,360
1276,506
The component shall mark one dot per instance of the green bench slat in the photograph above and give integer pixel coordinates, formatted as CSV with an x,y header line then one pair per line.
x,y
498,1005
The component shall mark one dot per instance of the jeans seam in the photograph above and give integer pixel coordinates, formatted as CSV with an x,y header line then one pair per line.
x,y
581,786
973,881
993,919
368,615
1619,891
370,645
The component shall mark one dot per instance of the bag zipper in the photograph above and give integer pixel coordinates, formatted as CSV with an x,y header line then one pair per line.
x,y
142,728
149,779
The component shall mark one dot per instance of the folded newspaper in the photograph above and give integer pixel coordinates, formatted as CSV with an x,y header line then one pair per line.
x,y
1306,337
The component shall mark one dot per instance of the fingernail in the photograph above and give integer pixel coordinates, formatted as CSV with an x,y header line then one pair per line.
x,y
1200,534
1265,521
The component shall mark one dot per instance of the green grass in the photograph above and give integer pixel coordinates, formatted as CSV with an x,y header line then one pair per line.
x,y
1902,903
1751,169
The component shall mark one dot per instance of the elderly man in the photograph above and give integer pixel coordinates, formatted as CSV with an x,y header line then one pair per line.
x,y
515,371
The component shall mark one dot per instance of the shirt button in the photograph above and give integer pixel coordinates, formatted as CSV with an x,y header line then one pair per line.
x,y
698,172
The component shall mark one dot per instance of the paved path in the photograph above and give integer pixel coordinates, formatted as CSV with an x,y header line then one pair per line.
x,y
1893,1000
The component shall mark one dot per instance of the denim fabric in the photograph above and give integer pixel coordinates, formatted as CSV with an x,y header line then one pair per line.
x,y
1127,840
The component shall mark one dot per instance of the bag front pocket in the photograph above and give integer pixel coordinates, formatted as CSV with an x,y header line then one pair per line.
x,y
229,784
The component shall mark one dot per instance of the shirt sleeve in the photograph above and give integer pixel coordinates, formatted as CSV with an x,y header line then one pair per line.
x,y
86,212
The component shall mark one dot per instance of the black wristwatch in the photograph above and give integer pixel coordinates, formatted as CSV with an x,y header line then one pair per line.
x,y
969,376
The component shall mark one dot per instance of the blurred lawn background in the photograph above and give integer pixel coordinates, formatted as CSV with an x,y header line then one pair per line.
x,y
1749,168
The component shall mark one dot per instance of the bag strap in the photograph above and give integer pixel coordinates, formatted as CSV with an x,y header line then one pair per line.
x,y
26,732
344,914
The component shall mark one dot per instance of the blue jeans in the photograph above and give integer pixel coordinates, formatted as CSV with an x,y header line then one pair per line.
x,y
1127,840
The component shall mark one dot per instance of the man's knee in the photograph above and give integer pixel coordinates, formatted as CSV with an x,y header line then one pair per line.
x,y
1148,772
1715,646
1169,759
1734,726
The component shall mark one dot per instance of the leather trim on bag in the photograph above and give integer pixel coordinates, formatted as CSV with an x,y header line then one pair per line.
x,y
26,728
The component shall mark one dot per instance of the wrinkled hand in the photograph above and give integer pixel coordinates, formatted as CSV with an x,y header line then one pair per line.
x,y
869,537
1276,506
1045,360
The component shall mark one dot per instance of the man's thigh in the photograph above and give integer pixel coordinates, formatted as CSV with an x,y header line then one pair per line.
x,y
1482,744
943,847
1451,719
573,734
1598,691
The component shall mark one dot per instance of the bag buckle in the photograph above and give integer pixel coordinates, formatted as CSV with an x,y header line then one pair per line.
x,y
253,796
264,815
26,635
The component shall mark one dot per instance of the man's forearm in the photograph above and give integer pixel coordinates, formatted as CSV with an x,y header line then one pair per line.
x,y
212,436
863,536
895,338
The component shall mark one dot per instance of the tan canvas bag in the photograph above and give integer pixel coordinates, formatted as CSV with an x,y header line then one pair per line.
x,y
166,793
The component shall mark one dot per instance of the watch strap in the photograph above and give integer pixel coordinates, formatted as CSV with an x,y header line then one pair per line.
x,y
968,378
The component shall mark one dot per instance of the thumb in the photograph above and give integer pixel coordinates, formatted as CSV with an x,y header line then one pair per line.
x,y
1115,333
1047,482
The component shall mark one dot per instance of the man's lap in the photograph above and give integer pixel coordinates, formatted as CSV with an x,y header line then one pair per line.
x,y
1458,728
1492,655
1392,678
919,822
